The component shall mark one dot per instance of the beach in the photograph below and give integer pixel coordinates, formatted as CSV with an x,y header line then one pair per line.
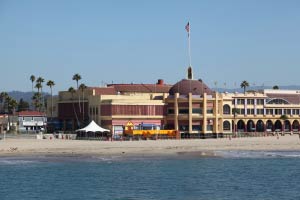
x,y
202,147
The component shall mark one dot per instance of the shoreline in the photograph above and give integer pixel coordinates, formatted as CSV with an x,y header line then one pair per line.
x,y
189,147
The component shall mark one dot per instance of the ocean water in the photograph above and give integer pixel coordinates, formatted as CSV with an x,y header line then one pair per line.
x,y
232,175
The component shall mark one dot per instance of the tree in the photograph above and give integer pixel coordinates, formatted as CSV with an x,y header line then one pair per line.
x,y
235,111
72,91
51,83
32,79
23,105
244,85
82,87
4,96
275,87
39,84
12,105
36,98
283,118
77,77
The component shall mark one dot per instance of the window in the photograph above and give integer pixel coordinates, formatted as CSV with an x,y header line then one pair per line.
x,y
260,111
210,111
250,111
287,111
260,101
226,109
196,127
295,112
170,111
183,127
209,127
242,111
278,111
226,126
184,111
250,101
238,111
278,101
269,111
241,101
197,110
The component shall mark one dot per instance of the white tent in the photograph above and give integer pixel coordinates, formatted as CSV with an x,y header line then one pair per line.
x,y
93,127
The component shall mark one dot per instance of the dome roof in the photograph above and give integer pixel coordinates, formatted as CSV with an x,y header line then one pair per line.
x,y
185,86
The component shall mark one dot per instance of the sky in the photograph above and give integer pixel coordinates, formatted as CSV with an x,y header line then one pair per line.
x,y
139,41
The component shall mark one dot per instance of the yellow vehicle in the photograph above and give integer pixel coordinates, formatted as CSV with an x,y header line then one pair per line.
x,y
151,131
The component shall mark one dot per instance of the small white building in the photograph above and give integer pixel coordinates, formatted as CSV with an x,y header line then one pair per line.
x,y
32,121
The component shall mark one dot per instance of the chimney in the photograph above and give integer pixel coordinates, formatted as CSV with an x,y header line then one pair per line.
x,y
160,82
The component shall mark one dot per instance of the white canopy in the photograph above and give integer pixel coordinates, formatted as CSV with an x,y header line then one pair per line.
x,y
93,127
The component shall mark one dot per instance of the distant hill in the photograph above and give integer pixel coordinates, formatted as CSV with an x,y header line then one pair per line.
x,y
256,88
26,96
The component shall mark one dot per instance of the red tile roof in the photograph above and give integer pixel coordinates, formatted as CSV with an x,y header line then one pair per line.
x,y
291,98
31,113
104,91
185,86
141,88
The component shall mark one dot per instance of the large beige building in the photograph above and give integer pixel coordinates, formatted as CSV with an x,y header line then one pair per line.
x,y
188,106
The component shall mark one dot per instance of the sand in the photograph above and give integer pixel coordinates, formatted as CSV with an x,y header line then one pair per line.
x,y
204,147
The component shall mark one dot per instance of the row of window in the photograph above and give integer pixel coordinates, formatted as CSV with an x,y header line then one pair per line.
x,y
268,111
249,101
28,119
195,127
194,111
226,111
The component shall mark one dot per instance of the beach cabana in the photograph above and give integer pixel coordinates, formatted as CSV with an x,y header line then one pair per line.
x,y
94,128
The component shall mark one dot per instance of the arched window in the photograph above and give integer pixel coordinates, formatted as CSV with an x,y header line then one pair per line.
x,y
226,126
277,101
226,109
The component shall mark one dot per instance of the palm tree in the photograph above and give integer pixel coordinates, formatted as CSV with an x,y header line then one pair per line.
x,y
36,98
51,83
234,112
12,105
283,118
244,85
32,79
39,81
82,87
72,91
3,96
77,77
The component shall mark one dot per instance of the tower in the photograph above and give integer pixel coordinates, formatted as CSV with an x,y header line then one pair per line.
x,y
190,73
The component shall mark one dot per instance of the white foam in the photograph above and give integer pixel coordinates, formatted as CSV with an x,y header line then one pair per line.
x,y
259,154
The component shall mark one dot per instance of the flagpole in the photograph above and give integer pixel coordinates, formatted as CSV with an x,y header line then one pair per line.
x,y
189,43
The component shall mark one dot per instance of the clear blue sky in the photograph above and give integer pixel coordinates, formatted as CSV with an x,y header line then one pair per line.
x,y
142,41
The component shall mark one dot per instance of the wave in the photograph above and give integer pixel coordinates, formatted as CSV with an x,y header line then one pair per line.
x,y
16,161
258,154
